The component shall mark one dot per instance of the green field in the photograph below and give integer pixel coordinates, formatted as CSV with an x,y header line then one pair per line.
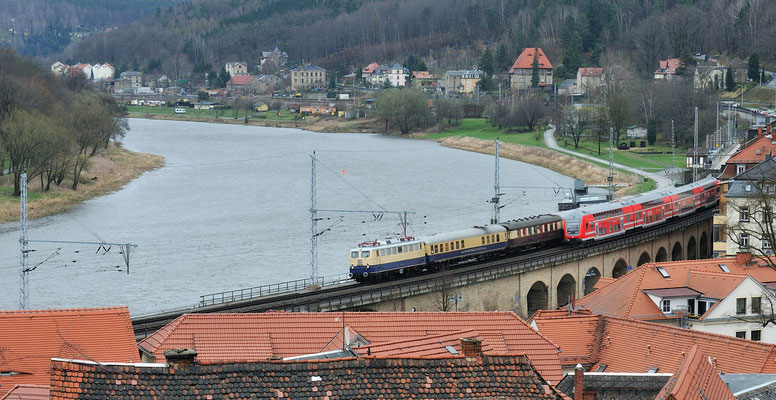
x,y
285,115
649,162
754,96
480,128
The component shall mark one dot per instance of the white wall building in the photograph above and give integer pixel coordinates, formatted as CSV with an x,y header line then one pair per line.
x,y
237,68
748,301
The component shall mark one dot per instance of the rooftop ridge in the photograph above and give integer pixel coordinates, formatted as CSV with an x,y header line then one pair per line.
x,y
63,310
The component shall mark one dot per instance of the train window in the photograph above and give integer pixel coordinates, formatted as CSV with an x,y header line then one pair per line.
x,y
382,252
364,254
435,249
399,249
498,237
353,254
462,244
487,239
457,245
483,239
417,246
393,250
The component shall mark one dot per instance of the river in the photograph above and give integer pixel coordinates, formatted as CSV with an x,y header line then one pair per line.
x,y
231,209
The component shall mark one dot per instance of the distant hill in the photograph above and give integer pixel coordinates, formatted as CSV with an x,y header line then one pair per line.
x,y
44,27
200,35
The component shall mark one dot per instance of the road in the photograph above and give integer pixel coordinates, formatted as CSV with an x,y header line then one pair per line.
x,y
660,179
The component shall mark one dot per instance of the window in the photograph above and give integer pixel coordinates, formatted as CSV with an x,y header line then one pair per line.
x,y
741,305
364,254
663,272
741,334
755,335
652,370
393,250
766,244
740,169
757,305
462,244
457,245
666,306
743,241
400,249
702,306
744,214
353,254
382,252
483,239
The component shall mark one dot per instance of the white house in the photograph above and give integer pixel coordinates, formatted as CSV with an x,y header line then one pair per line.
x,y
397,75
746,302
102,72
237,68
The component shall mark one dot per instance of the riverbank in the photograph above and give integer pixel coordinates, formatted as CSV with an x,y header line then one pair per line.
x,y
308,123
106,173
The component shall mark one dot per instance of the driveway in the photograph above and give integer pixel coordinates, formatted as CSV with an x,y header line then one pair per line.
x,y
660,179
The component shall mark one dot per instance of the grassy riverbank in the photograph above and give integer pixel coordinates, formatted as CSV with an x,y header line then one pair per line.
x,y
105,173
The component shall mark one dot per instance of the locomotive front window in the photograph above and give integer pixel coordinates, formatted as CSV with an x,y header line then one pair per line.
x,y
353,254
364,254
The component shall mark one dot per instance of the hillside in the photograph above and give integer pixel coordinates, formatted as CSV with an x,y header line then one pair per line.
x,y
200,35
43,27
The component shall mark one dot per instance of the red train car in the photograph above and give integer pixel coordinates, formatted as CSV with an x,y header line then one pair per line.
x,y
615,218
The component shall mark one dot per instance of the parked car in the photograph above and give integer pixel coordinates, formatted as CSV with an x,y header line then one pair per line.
x,y
180,111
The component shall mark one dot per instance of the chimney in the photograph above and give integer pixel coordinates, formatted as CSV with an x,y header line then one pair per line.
x,y
472,348
178,358
743,258
579,382
759,132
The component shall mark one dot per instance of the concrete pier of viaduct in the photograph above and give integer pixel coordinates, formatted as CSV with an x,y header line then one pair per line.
x,y
552,285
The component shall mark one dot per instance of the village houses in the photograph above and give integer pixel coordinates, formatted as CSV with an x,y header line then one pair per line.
x,y
668,69
522,70
589,79
308,76
236,68
460,82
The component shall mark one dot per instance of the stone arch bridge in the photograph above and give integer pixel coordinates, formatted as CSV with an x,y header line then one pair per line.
x,y
552,284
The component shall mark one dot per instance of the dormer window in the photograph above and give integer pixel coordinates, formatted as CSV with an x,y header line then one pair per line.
x,y
666,306
740,169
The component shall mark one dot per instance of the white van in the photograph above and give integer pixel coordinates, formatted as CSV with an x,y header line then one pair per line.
x,y
180,111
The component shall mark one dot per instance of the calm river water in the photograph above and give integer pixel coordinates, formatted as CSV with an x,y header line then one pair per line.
x,y
231,209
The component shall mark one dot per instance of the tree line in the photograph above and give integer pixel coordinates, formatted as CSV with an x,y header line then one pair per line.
x,y
345,35
51,126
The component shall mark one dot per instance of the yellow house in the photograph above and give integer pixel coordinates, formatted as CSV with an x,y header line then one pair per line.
x,y
260,107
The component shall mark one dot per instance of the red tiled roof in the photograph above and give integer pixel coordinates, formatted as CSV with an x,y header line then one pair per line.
x,y
603,281
696,378
240,80
626,296
486,377
591,71
430,346
29,339
294,334
27,392
422,75
525,59
370,68
627,345
669,66
755,152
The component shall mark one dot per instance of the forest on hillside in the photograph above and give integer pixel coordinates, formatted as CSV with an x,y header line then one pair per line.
x,y
44,27
199,35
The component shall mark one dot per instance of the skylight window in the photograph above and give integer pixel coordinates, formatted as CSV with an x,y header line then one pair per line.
x,y
724,268
452,350
652,370
663,272
601,368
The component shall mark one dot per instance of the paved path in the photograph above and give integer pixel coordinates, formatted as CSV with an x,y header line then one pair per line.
x,y
723,156
660,179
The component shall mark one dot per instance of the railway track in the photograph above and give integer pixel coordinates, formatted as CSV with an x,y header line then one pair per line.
x,y
354,295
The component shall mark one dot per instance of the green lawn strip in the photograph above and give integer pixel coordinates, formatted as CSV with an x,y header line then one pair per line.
x,y
650,162
480,128
6,195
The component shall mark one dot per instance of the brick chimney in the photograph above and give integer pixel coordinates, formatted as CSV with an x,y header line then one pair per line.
x,y
759,132
743,258
579,382
178,358
472,348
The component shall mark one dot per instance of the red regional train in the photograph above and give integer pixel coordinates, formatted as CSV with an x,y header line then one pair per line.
x,y
390,258
615,218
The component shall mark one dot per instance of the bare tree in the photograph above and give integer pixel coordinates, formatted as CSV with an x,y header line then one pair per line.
x,y
645,103
529,110
751,223
575,121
